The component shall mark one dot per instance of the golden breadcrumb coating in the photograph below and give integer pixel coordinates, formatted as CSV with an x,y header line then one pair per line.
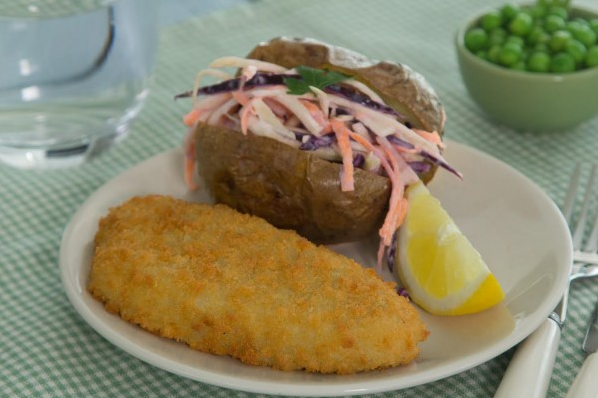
x,y
231,284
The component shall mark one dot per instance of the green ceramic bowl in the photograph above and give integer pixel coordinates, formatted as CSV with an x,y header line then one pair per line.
x,y
529,101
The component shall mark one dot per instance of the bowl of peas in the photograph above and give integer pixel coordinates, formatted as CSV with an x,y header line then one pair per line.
x,y
532,67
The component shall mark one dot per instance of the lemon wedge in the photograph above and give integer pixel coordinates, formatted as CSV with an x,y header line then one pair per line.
x,y
443,273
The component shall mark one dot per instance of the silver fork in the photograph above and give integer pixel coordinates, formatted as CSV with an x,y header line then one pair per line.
x,y
528,374
587,255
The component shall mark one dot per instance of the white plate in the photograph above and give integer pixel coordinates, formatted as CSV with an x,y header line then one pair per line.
x,y
516,227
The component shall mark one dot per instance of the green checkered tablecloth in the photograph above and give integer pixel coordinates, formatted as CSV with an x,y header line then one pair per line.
x,y
48,8
47,350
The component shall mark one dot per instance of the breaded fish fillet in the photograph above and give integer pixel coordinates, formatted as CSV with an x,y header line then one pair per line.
x,y
231,284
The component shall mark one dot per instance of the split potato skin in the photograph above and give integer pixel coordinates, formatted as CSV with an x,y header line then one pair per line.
x,y
294,189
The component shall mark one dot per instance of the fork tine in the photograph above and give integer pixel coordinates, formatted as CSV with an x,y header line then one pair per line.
x,y
592,243
581,223
569,201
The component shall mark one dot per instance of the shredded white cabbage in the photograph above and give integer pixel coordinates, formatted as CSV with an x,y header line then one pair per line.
x,y
298,109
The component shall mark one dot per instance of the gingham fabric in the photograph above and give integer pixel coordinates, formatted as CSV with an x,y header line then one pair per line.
x,y
47,350
48,8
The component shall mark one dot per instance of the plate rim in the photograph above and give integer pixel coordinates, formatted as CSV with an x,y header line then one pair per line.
x,y
75,296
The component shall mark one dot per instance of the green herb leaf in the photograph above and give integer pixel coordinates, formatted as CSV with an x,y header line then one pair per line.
x,y
312,77
296,86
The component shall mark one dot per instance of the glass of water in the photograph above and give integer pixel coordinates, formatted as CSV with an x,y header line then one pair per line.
x,y
73,75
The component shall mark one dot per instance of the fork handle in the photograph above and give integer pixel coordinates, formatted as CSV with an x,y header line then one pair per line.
x,y
528,374
585,384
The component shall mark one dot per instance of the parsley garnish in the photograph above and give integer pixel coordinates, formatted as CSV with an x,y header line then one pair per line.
x,y
312,77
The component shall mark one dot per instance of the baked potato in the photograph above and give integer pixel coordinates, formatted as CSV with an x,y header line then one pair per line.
x,y
275,177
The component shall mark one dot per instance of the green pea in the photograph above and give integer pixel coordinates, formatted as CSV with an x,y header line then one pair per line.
x,y
515,39
559,40
509,11
581,21
521,24
538,61
476,39
491,20
592,57
538,35
577,50
554,23
573,26
543,47
538,11
541,37
562,63
494,53
510,54
558,11
497,36
585,34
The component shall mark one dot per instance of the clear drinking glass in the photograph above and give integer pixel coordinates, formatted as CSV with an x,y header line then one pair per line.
x,y
73,75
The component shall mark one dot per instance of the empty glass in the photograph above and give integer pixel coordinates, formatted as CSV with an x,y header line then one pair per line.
x,y
73,75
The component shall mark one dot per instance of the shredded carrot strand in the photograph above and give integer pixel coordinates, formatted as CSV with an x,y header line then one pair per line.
x,y
404,211
397,204
431,136
192,117
241,97
189,172
279,110
190,162
246,112
397,192
315,112
342,136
